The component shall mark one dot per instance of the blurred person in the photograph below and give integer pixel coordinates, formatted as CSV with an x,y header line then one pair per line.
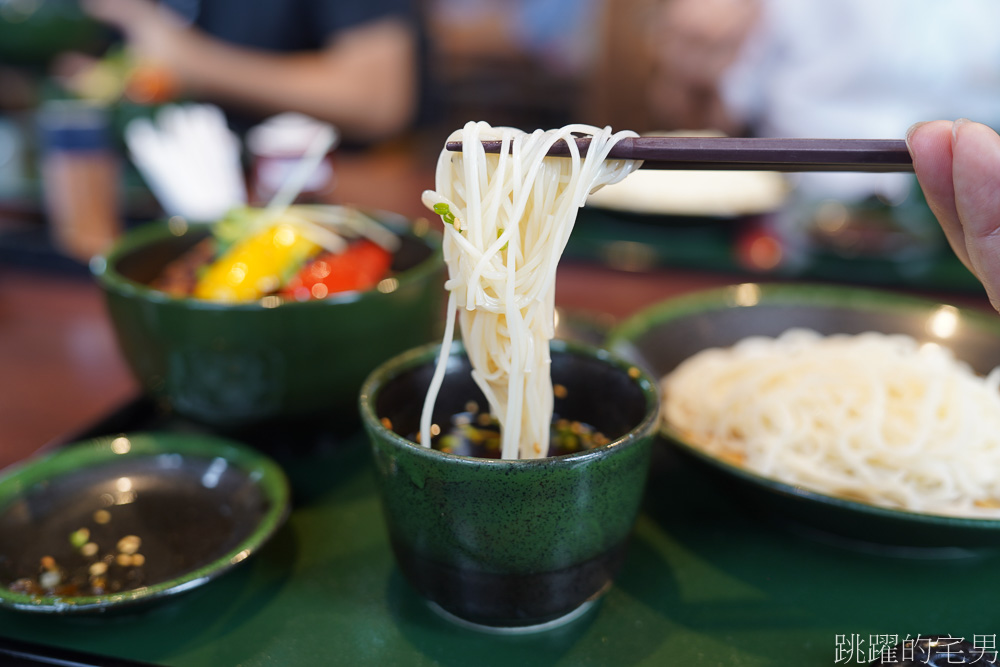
x,y
958,168
559,34
353,63
512,62
813,68
798,68
659,63
693,44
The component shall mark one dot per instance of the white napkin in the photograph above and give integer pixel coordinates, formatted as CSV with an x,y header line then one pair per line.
x,y
190,160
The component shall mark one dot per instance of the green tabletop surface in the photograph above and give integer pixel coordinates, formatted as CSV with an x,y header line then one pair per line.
x,y
706,582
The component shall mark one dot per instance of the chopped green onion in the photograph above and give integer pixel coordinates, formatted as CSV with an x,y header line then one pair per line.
x,y
79,537
500,232
442,209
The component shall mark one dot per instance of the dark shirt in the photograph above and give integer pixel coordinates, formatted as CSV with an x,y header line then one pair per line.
x,y
286,25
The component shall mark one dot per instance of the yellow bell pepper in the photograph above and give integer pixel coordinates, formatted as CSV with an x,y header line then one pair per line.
x,y
256,265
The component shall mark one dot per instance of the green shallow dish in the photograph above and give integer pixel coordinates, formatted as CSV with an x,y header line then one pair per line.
x,y
198,505
661,337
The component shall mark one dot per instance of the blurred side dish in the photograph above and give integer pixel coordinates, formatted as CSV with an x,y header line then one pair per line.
x,y
300,253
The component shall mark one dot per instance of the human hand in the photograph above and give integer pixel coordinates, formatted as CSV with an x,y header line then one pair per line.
x,y
154,33
958,168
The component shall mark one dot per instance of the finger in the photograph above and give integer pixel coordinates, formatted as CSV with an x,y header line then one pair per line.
x,y
930,148
976,173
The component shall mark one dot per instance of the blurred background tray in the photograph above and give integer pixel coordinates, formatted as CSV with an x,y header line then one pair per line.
x,y
707,582
755,247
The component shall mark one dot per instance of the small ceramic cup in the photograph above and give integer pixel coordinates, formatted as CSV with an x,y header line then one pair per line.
x,y
521,544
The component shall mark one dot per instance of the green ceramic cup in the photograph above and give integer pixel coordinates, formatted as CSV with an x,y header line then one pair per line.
x,y
511,544
233,366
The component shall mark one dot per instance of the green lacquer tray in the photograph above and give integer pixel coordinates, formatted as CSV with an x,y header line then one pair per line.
x,y
706,582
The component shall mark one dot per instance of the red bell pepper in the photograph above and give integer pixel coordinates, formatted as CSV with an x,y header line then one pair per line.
x,y
361,267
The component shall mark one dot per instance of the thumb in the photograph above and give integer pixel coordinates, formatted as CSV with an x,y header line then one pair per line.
x,y
976,174
930,146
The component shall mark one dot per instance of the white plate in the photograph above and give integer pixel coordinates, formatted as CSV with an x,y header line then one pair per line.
x,y
707,193
694,193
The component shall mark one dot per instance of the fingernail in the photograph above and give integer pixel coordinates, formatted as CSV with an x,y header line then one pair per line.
x,y
954,128
913,128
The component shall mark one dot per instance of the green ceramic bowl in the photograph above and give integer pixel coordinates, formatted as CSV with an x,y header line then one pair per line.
x,y
664,335
236,365
511,544
198,506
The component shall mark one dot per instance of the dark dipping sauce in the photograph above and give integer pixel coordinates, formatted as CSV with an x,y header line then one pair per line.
x,y
509,600
125,524
477,434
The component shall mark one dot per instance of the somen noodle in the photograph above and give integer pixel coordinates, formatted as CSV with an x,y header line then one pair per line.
x,y
872,417
509,216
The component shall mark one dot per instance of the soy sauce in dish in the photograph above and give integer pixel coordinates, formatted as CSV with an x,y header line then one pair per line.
x,y
87,568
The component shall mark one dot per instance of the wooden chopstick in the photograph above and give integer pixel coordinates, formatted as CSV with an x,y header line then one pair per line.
x,y
749,154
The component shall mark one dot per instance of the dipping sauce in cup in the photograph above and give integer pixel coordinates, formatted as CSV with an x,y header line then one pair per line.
x,y
511,545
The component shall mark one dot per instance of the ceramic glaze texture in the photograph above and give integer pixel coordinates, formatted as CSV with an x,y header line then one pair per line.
x,y
515,517
663,336
511,542
193,506
235,365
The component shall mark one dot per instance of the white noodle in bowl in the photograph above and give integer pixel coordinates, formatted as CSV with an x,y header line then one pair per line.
x,y
878,418
865,414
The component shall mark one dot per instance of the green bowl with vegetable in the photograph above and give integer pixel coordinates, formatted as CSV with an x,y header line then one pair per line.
x,y
237,364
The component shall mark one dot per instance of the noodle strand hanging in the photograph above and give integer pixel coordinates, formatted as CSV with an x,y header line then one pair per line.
x,y
508,218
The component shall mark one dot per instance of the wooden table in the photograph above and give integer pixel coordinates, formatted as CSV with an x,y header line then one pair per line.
x,y
59,363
